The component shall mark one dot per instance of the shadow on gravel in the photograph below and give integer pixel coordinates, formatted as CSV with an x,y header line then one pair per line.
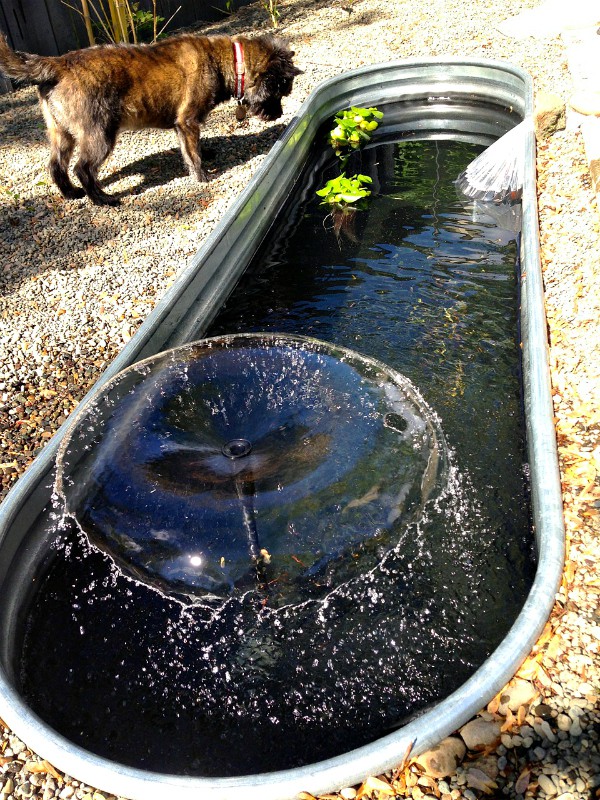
x,y
218,153
21,118
43,232
252,17
155,169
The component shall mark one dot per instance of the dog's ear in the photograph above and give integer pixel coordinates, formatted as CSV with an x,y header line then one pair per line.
x,y
297,71
277,76
281,62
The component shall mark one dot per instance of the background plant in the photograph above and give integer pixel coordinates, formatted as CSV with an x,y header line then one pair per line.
x,y
120,20
272,9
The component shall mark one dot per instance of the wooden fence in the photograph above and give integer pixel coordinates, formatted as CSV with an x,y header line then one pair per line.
x,y
51,27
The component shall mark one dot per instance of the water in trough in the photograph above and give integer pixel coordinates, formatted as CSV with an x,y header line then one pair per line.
x,y
252,679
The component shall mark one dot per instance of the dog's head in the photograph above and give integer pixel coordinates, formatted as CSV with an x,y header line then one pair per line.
x,y
272,74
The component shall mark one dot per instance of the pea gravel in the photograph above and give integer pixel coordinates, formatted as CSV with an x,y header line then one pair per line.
x,y
77,280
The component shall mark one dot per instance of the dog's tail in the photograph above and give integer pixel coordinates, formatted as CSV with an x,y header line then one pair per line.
x,y
26,66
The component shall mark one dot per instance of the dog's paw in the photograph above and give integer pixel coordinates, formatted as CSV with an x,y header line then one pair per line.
x,y
73,194
105,200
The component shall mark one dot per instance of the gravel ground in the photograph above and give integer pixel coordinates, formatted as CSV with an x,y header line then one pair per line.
x,y
77,280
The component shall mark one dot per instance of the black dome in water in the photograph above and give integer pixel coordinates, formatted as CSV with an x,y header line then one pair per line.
x,y
257,461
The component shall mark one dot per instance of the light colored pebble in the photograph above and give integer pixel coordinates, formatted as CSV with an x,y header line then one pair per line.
x,y
575,729
564,722
518,693
546,784
585,688
546,731
507,741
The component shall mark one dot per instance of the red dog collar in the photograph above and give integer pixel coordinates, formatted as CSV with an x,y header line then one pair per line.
x,y
240,69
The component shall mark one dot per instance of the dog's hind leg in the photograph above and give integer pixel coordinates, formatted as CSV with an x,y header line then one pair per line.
x,y
62,144
93,152
188,132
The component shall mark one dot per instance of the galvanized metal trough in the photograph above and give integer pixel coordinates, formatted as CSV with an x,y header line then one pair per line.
x,y
185,313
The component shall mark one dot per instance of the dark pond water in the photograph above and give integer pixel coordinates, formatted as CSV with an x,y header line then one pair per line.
x,y
419,282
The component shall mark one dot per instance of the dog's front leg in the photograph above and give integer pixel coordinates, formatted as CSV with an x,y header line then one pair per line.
x,y
188,132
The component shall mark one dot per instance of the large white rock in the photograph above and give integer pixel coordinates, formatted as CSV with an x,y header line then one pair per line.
x,y
441,761
480,733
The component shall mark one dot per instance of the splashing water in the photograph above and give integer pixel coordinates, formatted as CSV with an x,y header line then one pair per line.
x,y
274,463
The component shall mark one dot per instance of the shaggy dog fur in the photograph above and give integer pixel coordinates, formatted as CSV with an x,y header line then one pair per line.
x,y
88,96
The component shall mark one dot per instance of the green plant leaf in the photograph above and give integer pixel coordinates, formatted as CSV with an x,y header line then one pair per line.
x,y
343,191
353,128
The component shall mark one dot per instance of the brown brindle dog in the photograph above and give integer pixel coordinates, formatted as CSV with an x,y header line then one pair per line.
x,y
88,96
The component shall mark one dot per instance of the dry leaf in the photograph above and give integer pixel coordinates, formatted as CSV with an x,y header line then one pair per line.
x,y
406,755
545,636
542,678
553,649
523,781
494,703
488,750
430,783
411,779
529,668
477,779
590,492
569,574
44,767
509,722
373,784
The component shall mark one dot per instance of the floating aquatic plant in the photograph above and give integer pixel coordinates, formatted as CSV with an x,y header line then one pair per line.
x,y
342,191
345,196
353,128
